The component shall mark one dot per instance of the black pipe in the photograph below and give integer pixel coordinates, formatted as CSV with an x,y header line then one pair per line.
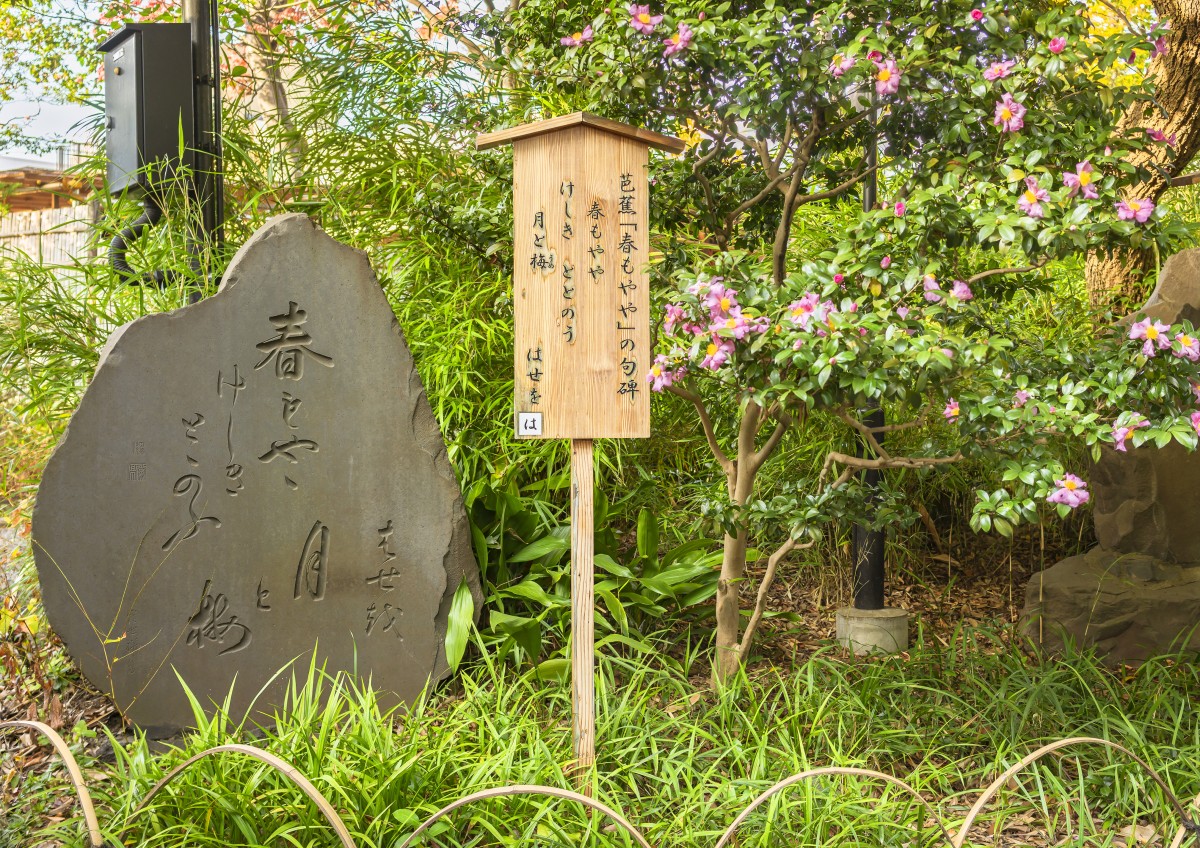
x,y
867,544
120,246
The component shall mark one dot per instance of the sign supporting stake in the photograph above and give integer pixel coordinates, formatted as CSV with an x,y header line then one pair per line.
x,y
583,646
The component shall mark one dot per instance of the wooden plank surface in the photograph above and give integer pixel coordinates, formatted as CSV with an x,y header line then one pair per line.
x,y
647,137
580,285
583,644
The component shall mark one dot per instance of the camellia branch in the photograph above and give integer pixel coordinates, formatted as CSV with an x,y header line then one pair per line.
x,y
860,462
995,272
709,432
760,601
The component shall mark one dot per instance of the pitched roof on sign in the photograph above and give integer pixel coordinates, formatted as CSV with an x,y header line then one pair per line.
x,y
650,139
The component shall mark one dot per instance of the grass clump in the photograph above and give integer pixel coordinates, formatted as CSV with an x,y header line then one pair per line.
x,y
681,762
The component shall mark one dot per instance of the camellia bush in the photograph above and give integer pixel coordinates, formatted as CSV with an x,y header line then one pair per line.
x,y
999,153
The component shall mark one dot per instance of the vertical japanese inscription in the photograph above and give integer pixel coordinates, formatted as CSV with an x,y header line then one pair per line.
x,y
288,349
581,337
384,615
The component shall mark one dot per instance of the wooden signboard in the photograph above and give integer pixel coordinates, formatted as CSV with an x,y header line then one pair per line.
x,y
580,288
581,294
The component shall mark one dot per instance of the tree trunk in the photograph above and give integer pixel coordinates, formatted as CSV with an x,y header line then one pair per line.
x,y
1118,281
729,613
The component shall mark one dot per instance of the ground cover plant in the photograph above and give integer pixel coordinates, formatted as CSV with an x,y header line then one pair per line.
x,y
680,764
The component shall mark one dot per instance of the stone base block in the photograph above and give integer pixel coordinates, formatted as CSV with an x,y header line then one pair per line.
x,y
882,631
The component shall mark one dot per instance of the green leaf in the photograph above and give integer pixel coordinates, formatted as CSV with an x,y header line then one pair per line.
x,y
647,536
458,625
540,548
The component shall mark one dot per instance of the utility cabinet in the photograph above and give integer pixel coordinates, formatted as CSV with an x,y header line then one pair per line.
x,y
148,104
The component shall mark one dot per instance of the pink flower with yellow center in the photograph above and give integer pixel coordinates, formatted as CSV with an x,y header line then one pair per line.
x,y
1010,115
678,42
840,65
735,325
1135,210
578,38
1120,434
641,19
1082,181
1071,492
1196,422
660,376
1031,199
932,293
951,411
961,290
1153,332
674,315
716,354
887,78
1057,45
998,70
721,302
805,309
1189,347
1019,398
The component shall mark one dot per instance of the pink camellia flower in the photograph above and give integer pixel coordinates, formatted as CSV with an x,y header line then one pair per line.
x,y
641,19
721,302
932,292
961,290
1158,47
1031,198
1082,180
736,325
902,312
1196,391
1196,422
803,310
1189,347
1135,210
1019,398
900,208
674,315
716,354
1071,492
885,262
578,38
1154,333
660,377
977,15
998,70
875,56
1010,115
678,42
951,411
1159,135
887,78
1057,45
760,324
839,278
840,65
1120,434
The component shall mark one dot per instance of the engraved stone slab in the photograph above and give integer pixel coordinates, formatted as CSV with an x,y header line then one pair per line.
x,y
249,479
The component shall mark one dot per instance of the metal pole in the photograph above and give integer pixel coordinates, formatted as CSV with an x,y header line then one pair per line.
x,y
206,67
868,544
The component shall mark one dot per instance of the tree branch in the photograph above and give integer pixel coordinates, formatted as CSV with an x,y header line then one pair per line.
x,y
834,192
867,432
760,601
709,432
983,275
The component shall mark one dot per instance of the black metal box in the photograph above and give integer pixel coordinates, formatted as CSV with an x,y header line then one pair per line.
x,y
148,104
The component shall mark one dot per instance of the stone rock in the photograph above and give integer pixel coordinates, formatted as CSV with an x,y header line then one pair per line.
x,y
1144,499
1128,606
1177,295
250,479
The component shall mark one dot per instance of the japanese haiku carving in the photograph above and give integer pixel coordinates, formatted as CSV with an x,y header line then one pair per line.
x,y
249,478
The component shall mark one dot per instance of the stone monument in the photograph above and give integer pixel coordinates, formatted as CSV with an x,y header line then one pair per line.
x,y
1138,592
248,479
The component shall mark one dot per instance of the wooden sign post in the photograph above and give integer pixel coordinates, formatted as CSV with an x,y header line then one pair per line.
x,y
582,314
